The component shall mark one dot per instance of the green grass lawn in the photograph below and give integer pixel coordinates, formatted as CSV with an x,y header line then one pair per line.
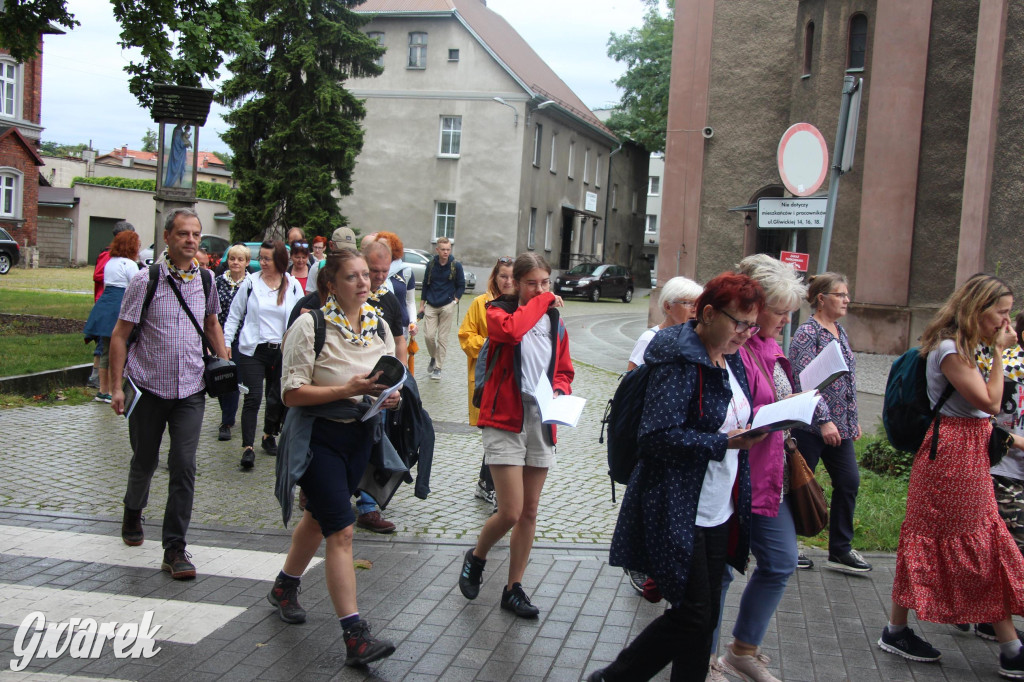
x,y
21,354
42,279
47,303
70,395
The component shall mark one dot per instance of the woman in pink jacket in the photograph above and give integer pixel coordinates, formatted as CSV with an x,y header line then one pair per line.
x,y
772,534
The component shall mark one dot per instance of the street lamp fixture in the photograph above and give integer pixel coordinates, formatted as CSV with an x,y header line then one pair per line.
x,y
515,112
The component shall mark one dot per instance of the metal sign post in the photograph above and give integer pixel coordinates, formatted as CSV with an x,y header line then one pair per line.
x,y
851,86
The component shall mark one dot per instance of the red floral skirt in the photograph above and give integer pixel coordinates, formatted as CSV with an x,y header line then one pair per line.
x,y
957,562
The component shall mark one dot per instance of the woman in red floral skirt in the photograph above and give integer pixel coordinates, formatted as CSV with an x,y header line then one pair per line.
x,y
956,562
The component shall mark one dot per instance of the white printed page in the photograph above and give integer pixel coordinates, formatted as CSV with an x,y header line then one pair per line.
x,y
564,409
824,369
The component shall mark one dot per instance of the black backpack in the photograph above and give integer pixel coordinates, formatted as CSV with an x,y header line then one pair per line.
x,y
622,419
906,411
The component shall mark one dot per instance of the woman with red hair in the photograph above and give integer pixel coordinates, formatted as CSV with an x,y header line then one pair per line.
x,y
679,522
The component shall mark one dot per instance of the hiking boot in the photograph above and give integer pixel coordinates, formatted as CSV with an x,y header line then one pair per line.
x,y
224,432
516,601
803,562
471,575
851,562
361,647
248,458
269,445
131,527
908,645
177,563
285,596
986,631
749,668
375,523
1012,667
636,580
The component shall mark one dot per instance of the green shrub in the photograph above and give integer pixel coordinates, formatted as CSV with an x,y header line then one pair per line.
x,y
876,454
211,191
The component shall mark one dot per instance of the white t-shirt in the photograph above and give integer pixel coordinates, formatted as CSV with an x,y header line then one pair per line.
x,y
273,317
637,356
715,505
118,272
536,353
314,268
957,405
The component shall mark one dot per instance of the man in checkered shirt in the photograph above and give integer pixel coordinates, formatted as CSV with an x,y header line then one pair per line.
x,y
166,364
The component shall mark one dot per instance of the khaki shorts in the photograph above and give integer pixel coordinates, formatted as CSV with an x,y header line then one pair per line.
x,y
528,448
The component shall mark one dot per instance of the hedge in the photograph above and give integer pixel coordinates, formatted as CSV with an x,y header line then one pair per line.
x,y
211,191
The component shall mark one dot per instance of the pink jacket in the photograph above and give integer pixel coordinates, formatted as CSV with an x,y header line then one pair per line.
x,y
767,458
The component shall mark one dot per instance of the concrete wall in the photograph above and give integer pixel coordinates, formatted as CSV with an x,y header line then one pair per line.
x,y
59,171
55,241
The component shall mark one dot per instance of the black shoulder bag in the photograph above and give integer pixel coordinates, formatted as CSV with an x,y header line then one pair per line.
x,y
221,376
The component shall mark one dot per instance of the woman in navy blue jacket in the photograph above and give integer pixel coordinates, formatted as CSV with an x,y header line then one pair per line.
x,y
686,511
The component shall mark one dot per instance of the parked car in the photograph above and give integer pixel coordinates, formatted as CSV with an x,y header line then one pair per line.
x,y
9,252
596,280
214,245
418,259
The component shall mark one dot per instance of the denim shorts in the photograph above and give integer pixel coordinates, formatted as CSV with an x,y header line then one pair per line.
x,y
530,447
341,452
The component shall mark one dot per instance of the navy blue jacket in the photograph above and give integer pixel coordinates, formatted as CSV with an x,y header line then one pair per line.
x,y
440,285
686,404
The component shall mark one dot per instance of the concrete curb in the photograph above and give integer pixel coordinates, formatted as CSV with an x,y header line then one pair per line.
x,y
41,382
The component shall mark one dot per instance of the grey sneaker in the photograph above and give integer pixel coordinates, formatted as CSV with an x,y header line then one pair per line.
x,y
436,375
483,493
749,668
432,366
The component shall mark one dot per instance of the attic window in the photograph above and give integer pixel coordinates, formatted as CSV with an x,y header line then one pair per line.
x,y
453,54
417,50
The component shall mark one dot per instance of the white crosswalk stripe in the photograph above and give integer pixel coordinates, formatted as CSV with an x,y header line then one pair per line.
x,y
109,549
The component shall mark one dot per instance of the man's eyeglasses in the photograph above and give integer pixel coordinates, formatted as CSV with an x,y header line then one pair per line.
x,y
742,326
506,260
841,296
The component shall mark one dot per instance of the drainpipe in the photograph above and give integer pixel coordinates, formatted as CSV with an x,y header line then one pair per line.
x,y
607,203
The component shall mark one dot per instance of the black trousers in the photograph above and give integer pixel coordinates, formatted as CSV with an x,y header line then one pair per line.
x,y
262,367
682,635
183,418
841,465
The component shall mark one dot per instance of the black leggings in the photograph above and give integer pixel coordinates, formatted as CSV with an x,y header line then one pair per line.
x,y
263,364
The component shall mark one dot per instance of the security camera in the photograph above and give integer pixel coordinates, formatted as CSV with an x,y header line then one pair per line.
x,y
708,132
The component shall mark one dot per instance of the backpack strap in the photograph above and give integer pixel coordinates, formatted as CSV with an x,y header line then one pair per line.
x,y
946,393
154,277
319,330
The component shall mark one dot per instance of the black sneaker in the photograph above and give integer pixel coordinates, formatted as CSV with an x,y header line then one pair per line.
x,y
270,446
803,562
224,432
248,458
851,562
963,627
285,596
131,527
177,563
361,647
471,575
1012,667
636,580
516,601
986,631
596,676
908,645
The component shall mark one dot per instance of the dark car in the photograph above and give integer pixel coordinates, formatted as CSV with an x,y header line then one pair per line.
x,y
596,280
9,252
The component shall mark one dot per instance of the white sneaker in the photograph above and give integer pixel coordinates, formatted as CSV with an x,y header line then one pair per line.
x,y
483,493
747,668
715,672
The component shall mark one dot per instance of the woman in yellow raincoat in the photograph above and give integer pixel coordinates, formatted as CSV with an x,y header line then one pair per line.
x,y
472,334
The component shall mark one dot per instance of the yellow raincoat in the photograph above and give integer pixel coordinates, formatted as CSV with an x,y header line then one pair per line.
x,y
472,334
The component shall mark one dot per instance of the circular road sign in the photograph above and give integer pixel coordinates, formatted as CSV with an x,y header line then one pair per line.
x,y
803,159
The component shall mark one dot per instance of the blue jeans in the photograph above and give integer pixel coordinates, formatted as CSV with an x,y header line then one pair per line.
x,y
365,503
773,543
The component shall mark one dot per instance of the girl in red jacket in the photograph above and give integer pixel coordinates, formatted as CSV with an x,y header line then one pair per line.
x,y
526,338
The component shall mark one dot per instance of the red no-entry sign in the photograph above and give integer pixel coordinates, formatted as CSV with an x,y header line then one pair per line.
x,y
799,261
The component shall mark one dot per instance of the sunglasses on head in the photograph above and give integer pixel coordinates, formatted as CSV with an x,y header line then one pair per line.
x,y
303,245
505,260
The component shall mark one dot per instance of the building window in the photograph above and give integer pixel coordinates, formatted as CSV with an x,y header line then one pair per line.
x,y
554,153
451,135
444,220
615,197
652,224
453,54
808,47
858,43
547,232
8,89
531,237
597,172
586,166
653,186
538,136
379,37
572,159
417,50
10,193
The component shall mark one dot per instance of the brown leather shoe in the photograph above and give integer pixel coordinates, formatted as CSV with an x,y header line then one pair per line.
x,y
373,521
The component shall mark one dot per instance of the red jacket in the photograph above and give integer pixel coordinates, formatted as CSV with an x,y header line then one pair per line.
x,y
501,405
97,273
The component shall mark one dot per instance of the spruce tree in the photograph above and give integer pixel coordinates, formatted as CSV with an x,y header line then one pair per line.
x,y
295,130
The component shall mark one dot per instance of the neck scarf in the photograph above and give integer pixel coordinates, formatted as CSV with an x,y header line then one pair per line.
x,y
367,322
1013,362
232,283
183,275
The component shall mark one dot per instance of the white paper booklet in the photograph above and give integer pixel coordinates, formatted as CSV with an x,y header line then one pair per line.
x,y
131,396
824,369
378,403
565,409
797,410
